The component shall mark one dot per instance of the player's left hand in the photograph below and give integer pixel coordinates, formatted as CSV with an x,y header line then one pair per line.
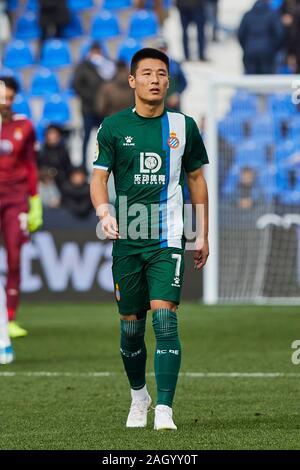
x,y
35,215
201,253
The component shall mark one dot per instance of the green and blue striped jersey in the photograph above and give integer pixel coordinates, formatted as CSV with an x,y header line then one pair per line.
x,y
148,158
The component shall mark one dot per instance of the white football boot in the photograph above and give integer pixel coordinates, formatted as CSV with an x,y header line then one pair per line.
x,y
137,417
163,418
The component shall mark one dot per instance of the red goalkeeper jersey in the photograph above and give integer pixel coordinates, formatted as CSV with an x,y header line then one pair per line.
x,y
18,171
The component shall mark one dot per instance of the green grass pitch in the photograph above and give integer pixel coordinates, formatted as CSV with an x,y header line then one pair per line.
x,y
74,408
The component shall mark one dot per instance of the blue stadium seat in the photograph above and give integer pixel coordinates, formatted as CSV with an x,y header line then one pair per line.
x,y
127,49
56,110
263,125
12,5
142,24
56,53
27,27
17,55
21,106
149,4
44,82
282,103
276,4
294,127
284,150
250,153
116,4
232,126
32,5
105,26
244,102
79,5
74,28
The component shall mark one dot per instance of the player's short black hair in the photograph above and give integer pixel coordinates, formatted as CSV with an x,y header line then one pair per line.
x,y
10,82
148,53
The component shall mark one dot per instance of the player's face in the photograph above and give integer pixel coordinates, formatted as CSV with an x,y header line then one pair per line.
x,y
151,81
7,99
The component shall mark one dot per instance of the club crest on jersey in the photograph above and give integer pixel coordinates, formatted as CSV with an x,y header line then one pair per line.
x,y
173,140
18,134
118,295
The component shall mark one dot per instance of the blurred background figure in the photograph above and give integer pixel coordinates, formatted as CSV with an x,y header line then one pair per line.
x,y
20,204
48,190
178,82
260,35
247,190
212,17
193,12
5,31
54,15
115,95
89,76
293,39
54,155
76,193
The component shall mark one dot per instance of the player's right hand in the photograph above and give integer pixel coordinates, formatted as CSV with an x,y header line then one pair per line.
x,y
110,227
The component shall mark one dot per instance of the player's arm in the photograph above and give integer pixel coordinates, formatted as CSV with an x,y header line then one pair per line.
x,y
100,200
199,197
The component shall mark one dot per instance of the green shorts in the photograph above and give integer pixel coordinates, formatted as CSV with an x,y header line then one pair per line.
x,y
155,275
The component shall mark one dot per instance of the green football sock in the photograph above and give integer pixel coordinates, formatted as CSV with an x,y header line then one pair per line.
x,y
133,351
167,355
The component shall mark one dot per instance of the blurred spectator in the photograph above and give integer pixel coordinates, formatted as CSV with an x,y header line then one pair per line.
x,y
193,11
178,82
5,31
212,17
115,95
293,42
53,16
247,190
54,155
76,193
260,35
48,190
89,76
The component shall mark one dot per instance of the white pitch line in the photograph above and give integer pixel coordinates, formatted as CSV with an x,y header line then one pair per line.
x,y
196,375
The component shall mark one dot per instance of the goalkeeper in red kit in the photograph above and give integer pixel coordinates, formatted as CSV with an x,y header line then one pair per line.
x,y
20,205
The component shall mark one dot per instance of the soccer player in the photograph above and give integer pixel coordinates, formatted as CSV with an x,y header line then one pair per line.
x,y
20,205
149,148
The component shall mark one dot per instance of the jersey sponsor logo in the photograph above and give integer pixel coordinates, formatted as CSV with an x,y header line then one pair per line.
x,y
173,141
150,164
128,141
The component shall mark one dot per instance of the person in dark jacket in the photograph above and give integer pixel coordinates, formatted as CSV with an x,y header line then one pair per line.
x,y
53,16
260,35
193,11
90,74
54,155
115,95
76,193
